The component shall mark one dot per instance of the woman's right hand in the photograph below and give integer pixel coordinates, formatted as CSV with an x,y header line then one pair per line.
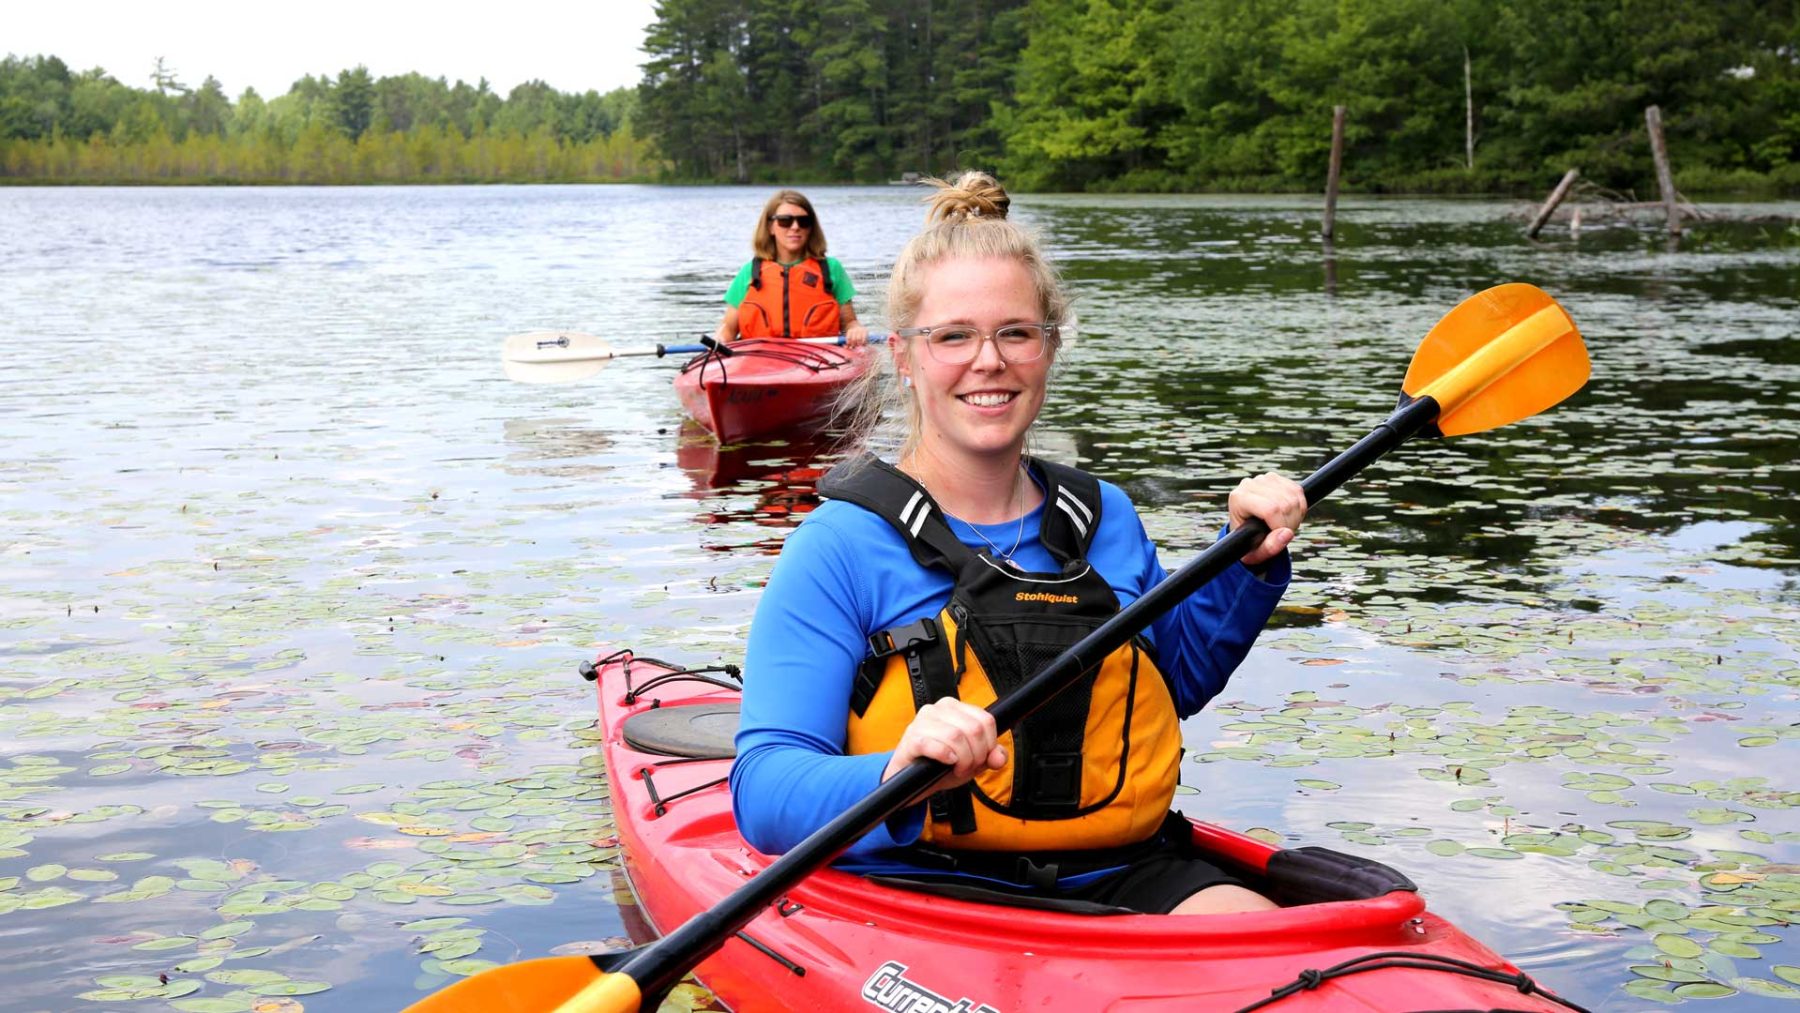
x,y
728,326
951,732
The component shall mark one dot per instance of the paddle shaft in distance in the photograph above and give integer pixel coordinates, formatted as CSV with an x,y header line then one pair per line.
x,y
551,347
569,356
658,968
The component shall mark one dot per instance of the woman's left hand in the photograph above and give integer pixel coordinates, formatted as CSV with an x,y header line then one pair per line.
x,y
856,335
1276,501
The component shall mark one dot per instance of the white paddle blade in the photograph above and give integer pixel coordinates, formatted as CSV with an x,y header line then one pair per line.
x,y
555,346
553,372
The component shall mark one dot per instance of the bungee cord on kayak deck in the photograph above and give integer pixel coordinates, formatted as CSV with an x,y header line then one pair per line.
x,y
1313,978
686,750
633,692
812,357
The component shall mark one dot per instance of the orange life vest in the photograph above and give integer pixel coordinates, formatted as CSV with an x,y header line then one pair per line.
x,y
1094,769
789,302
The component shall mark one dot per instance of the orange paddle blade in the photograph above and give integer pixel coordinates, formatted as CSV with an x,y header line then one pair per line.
x,y
1500,356
570,984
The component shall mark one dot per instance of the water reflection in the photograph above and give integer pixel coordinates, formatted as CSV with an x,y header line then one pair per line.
x,y
770,484
559,444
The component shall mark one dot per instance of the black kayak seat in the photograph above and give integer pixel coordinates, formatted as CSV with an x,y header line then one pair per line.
x,y
697,731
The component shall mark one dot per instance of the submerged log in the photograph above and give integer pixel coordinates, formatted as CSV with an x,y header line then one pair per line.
x,y
1550,203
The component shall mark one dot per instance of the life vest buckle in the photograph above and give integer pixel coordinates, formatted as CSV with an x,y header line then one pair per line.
x,y
1038,877
908,639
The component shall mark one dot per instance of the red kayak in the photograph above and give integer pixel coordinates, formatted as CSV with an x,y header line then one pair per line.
x,y
766,385
1352,934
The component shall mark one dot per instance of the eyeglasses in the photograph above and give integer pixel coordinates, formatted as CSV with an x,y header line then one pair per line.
x,y
789,221
956,344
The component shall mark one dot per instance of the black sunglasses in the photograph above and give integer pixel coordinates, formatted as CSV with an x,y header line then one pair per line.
x,y
789,221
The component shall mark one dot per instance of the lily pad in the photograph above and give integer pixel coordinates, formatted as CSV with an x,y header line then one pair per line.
x,y
1704,990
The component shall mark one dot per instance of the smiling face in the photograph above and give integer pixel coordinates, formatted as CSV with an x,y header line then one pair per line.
x,y
983,407
790,242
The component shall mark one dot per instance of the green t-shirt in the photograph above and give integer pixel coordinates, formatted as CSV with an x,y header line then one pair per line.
x,y
840,283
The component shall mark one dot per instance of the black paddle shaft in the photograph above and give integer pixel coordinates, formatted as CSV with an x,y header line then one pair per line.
x,y
657,968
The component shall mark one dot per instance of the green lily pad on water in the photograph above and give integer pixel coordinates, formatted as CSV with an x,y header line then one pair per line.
x,y
1764,987
470,899
246,976
1704,990
1677,945
433,924
291,988
129,981
1659,972
166,943
218,1004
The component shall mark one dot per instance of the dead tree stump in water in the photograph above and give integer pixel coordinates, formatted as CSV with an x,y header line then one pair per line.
x,y
1665,179
1327,227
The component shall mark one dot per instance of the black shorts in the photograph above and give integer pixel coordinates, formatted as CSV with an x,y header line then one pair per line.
x,y
1153,877
1153,885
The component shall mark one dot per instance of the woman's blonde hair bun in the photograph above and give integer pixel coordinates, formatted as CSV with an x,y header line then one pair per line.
x,y
974,194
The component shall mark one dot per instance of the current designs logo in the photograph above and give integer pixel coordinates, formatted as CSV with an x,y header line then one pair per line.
x,y
889,989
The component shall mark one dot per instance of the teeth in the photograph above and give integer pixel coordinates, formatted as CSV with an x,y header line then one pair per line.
x,y
988,400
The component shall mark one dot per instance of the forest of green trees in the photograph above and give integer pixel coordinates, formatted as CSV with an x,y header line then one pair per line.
x,y
1443,95
59,125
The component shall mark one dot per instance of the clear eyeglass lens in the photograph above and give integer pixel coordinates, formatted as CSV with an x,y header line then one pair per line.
x,y
1015,343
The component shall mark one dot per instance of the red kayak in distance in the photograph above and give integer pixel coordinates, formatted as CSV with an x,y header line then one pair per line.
x,y
766,385
1353,935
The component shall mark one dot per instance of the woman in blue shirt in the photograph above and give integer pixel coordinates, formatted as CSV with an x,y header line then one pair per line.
x,y
977,310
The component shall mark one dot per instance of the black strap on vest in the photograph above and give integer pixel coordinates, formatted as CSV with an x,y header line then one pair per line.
x,y
1071,509
892,495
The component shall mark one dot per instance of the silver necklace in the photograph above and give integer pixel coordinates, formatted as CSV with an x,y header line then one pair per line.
x,y
1018,537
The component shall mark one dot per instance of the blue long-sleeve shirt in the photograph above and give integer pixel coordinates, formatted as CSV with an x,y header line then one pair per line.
x,y
844,574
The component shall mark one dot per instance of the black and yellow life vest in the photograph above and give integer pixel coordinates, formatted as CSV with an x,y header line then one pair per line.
x,y
1094,768
795,301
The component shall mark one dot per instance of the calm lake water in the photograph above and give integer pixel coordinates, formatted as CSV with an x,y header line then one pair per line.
x,y
293,582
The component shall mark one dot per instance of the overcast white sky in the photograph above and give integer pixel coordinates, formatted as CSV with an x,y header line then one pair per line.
x,y
570,44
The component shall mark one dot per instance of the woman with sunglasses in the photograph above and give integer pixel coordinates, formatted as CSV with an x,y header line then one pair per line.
x,y
790,288
926,587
